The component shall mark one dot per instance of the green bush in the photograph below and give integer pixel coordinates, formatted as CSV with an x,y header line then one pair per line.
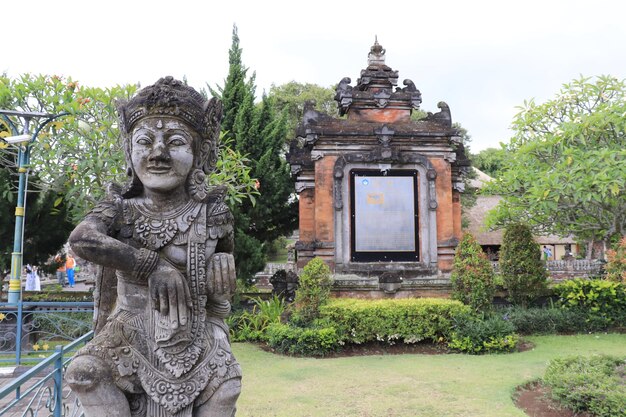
x,y
616,265
391,321
250,326
478,335
472,275
603,301
523,272
527,321
594,384
312,341
313,292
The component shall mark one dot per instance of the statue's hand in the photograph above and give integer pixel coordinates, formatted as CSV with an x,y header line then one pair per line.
x,y
221,275
170,293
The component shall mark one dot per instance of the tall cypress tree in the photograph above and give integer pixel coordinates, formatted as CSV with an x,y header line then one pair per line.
x,y
259,133
522,269
235,88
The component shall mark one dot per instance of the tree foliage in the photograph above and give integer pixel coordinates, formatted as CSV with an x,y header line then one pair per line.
x,y
523,272
565,170
292,97
47,223
472,275
256,131
73,159
76,155
490,161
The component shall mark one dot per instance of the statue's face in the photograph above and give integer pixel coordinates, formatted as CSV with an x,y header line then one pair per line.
x,y
162,153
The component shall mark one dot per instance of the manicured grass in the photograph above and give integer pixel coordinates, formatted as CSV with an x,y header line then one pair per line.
x,y
402,385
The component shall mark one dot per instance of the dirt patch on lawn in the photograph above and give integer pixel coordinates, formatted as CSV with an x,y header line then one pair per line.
x,y
534,399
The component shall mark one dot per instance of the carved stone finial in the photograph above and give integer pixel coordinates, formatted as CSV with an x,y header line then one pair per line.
x,y
443,117
377,54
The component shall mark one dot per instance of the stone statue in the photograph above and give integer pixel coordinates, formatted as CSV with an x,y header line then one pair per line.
x,y
168,237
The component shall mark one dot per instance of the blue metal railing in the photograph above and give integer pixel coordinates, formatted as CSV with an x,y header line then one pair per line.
x,y
28,328
45,393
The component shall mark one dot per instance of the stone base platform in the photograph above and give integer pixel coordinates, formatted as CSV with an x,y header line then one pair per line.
x,y
354,286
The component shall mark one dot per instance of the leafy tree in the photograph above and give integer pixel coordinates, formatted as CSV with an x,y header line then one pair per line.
x,y
565,171
77,155
490,161
472,275
257,131
523,272
291,98
73,159
46,226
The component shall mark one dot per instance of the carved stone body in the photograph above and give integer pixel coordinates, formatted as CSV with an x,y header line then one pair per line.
x,y
164,349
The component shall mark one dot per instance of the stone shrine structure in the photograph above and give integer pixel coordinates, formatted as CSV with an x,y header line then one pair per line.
x,y
379,191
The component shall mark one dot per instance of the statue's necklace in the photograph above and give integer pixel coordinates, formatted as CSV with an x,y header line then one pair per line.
x,y
156,230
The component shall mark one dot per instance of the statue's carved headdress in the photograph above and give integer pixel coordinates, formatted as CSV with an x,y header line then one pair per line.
x,y
170,97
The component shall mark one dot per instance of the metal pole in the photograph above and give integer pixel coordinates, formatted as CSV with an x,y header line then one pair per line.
x,y
58,381
18,333
15,281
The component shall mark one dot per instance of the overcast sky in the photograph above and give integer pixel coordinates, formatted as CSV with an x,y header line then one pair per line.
x,y
482,57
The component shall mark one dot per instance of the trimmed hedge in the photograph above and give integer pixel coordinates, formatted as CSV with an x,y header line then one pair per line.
x,y
603,301
479,335
390,321
309,341
536,320
589,384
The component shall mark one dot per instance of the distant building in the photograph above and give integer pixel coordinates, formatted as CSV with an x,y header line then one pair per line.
x,y
561,247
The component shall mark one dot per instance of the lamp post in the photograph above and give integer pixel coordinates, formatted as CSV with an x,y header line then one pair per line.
x,y
23,141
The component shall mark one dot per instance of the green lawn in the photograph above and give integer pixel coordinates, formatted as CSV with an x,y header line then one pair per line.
x,y
402,385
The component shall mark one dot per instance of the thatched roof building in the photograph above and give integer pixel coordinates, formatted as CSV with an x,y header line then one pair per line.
x,y
484,203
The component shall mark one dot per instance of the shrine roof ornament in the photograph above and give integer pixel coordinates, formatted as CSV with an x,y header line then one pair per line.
x,y
375,87
377,54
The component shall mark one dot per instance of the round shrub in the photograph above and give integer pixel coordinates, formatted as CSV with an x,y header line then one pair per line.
x,y
479,335
592,384
313,292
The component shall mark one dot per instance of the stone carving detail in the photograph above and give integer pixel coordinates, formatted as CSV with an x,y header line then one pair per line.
x,y
168,237
458,186
432,190
303,185
343,95
443,117
384,135
416,95
450,157
382,98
